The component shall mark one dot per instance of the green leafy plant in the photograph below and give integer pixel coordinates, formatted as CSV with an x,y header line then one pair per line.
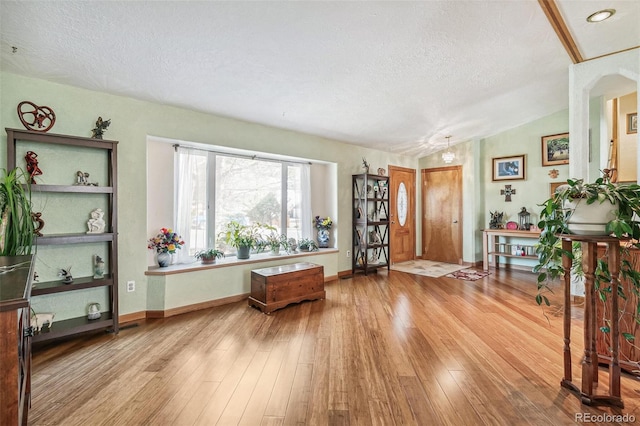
x,y
273,240
16,223
237,235
306,244
554,217
209,255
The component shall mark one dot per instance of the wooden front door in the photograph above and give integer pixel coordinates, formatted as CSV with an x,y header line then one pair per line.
x,y
442,214
402,183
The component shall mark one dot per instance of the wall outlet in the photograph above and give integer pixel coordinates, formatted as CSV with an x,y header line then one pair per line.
x,y
348,253
131,286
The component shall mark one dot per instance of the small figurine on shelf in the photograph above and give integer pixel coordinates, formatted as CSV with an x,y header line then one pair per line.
x,y
365,165
101,126
98,268
93,311
96,224
65,274
41,319
37,218
293,245
496,220
82,178
32,165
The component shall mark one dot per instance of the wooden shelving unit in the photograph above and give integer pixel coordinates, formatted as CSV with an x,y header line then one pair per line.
x,y
370,246
106,151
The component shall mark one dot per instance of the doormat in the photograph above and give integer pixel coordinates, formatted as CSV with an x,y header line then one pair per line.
x,y
468,274
427,268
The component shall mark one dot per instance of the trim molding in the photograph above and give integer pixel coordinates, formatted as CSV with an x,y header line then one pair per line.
x,y
197,306
555,19
132,317
138,316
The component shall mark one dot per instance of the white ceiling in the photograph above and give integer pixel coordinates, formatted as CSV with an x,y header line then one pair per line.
x,y
396,76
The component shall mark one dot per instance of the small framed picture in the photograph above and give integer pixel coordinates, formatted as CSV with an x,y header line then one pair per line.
x,y
508,168
632,123
555,149
553,186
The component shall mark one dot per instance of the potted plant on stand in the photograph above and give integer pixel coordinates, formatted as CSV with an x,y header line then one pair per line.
x,y
242,237
209,256
619,208
573,210
16,222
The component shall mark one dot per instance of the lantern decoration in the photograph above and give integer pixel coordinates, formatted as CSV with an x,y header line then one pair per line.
x,y
524,219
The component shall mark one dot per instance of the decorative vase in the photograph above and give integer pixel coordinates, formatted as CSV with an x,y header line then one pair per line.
x,y
589,219
244,252
323,238
163,259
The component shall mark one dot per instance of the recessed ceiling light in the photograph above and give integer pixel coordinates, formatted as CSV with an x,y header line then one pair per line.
x,y
601,15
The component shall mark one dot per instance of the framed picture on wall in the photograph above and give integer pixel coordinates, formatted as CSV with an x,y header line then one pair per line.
x,y
632,123
508,168
555,149
553,186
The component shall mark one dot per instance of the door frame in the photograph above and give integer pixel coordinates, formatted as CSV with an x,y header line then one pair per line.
x,y
412,208
460,217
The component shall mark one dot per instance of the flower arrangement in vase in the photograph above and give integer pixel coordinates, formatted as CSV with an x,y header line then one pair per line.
x,y
323,224
165,244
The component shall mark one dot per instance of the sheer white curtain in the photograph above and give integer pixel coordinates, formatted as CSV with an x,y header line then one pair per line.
x,y
305,182
190,171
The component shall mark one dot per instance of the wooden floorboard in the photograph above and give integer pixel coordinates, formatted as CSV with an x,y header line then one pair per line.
x,y
385,349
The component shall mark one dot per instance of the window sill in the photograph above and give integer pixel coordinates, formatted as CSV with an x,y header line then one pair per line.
x,y
232,261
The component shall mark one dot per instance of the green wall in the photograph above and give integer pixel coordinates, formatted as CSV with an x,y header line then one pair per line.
x,y
132,120
481,195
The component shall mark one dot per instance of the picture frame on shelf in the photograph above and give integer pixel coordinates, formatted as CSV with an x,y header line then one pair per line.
x,y
508,168
555,149
632,123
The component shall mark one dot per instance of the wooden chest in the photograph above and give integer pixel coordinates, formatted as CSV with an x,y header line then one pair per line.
x,y
275,288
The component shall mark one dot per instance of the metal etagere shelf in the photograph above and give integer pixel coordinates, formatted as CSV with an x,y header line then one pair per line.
x,y
370,246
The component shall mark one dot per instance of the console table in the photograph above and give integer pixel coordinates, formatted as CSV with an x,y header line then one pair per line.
x,y
492,248
590,360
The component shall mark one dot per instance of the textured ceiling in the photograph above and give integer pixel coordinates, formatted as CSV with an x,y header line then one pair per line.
x,y
396,76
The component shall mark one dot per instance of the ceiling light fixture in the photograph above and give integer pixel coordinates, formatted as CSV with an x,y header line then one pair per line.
x,y
448,156
601,15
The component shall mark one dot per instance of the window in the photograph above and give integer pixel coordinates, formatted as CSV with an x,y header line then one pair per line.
x,y
215,188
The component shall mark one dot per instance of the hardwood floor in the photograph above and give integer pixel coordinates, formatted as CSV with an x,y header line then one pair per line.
x,y
388,348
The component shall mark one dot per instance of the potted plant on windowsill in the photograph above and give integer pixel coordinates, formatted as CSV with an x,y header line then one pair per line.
x,y
242,237
307,244
16,222
274,241
620,208
209,256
